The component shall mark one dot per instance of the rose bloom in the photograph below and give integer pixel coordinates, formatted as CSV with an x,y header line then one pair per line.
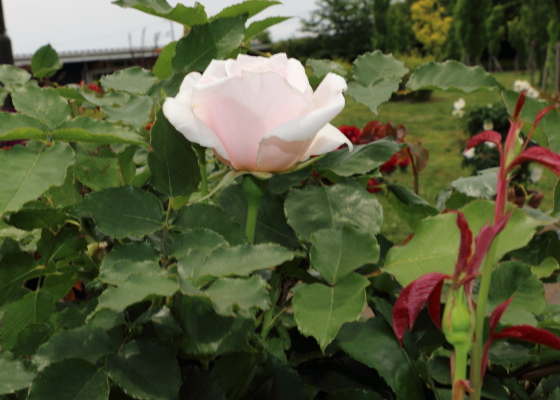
x,y
257,113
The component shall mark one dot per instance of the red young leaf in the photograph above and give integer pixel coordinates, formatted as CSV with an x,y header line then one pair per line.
x,y
540,155
420,292
486,136
530,334
465,248
400,314
434,305
519,104
497,314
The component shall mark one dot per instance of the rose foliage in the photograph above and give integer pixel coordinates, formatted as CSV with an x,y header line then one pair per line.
x,y
169,234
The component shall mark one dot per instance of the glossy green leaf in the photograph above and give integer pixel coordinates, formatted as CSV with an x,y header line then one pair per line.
x,y
107,98
30,338
353,394
363,159
86,342
173,162
71,94
259,26
96,166
205,216
3,95
134,113
15,376
345,203
374,344
320,310
230,295
86,129
45,62
546,268
58,246
375,94
249,7
66,195
427,252
87,383
33,308
409,207
123,211
133,80
452,75
163,68
509,355
36,215
482,185
13,76
187,16
242,260
321,68
339,252
61,282
132,255
211,41
127,167
14,269
20,126
371,67
207,333
44,104
28,173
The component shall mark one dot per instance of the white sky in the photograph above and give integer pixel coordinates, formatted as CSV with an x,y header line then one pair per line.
x,y
70,25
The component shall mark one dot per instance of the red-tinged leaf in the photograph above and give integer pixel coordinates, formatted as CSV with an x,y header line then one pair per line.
x,y
542,113
400,314
519,104
465,247
545,157
420,292
486,136
421,154
460,388
484,361
434,304
497,314
529,334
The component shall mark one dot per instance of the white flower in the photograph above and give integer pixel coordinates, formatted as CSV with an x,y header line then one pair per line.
x,y
459,104
469,153
521,85
536,174
533,93
458,113
488,125
489,105
490,145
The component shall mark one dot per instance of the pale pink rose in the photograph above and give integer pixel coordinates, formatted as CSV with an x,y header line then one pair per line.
x,y
257,113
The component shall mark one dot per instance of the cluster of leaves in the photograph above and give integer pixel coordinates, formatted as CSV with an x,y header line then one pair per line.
x,y
115,282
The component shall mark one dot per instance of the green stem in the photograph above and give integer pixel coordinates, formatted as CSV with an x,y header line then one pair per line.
x,y
201,153
254,189
478,347
460,368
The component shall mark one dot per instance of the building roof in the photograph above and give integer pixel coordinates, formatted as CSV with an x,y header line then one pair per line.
x,y
94,55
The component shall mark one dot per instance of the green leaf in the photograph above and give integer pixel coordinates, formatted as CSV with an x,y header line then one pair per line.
x,y
36,215
249,7
86,342
409,207
374,344
192,248
371,67
516,279
321,310
86,129
66,195
87,382
33,308
482,185
338,252
132,255
230,295
207,333
30,338
127,167
61,282
374,95
509,355
28,173
362,160
205,216
283,382
242,260
12,76
453,76
427,252
163,68
133,80
549,124
258,26
44,104
96,166
353,394
45,62
173,162
546,268
134,113
211,41
14,375
145,370
71,94
123,211
207,385
345,203
321,68
20,126
187,16
14,269
65,243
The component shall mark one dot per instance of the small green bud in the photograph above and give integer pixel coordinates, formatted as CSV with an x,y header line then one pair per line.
x,y
458,320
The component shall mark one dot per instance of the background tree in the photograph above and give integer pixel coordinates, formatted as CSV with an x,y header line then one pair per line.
x,y
470,17
535,15
496,30
430,24
400,36
516,38
381,24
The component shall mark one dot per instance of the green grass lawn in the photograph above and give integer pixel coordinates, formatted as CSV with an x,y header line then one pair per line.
x,y
431,124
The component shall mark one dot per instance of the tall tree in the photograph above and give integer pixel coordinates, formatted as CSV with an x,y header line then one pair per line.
x,y
400,36
496,30
430,24
470,17
381,24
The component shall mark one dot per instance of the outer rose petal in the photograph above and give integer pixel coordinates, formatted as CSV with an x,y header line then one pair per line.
x,y
241,110
329,138
276,155
180,114
215,71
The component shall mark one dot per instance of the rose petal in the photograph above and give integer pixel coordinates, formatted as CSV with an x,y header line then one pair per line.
x,y
276,155
215,71
329,138
295,74
180,114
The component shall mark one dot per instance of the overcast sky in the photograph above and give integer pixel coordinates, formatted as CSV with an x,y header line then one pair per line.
x,y
70,25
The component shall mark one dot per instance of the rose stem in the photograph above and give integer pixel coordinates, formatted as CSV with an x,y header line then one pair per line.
x,y
254,189
201,153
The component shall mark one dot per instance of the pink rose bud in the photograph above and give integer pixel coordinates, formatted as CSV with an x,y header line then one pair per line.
x,y
257,113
